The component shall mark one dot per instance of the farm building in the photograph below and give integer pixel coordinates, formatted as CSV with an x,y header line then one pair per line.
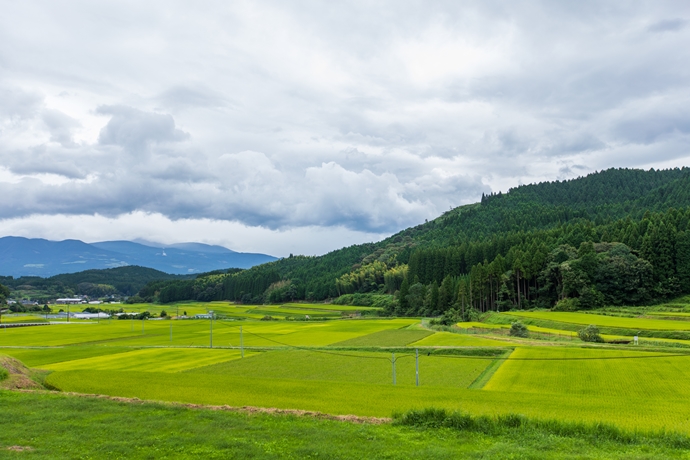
x,y
70,301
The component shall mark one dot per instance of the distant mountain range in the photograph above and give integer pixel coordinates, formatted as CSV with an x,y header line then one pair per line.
x,y
38,257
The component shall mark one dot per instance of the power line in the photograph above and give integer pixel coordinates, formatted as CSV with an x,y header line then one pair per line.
x,y
313,350
563,359
595,358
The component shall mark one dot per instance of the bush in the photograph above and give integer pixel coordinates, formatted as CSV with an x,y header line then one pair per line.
x,y
590,334
567,304
432,418
3,373
517,329
268,318
470,314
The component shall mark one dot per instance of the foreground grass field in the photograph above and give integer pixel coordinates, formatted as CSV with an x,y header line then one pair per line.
x,y
56,427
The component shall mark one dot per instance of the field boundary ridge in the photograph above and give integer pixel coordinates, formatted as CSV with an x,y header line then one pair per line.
x,y
242,409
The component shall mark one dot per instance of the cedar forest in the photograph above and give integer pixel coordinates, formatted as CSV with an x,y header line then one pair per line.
x,y
619,236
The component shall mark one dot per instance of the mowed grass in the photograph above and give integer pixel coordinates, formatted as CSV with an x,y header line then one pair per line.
x,y
449,339
599,373
150,360
371,368
606,321
56,426
387,338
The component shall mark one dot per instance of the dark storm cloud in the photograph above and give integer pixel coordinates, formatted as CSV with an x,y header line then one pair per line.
x,y
369,116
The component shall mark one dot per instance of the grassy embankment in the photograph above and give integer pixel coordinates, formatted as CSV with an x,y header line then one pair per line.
x,y
55,426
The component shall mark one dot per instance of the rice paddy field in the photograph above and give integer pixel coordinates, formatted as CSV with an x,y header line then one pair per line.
x,y
231,310
365,366
606,321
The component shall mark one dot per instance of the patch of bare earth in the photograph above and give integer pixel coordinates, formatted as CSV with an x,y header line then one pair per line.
x,y
20,375
20,448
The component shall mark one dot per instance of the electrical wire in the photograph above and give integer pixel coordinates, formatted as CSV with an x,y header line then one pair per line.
x,y
310,349
599,358
564,359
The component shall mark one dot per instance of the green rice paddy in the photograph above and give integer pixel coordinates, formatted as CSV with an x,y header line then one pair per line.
x,y
345,366
606,321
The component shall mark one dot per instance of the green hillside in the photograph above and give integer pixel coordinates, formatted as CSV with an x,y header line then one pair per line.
x,y
616,236
117,281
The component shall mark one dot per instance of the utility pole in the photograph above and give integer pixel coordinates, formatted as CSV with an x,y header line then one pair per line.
x,y
241,343
393,361
68,313
211,344
416,363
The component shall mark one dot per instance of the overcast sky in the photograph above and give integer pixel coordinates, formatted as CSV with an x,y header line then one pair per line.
x,y
302,127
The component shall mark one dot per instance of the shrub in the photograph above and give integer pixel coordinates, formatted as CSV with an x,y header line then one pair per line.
x,y
268,318
567,304
590,334
3,373
517,329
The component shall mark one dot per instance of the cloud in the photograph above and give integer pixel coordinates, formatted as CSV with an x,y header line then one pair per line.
x,y
60,126
16,103
668,25
135,129
194,96
367,117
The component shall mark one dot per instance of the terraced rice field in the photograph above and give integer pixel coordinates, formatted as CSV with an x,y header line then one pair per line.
x,y
606,321
376,400
387,338
12,319
331,307
150,360
594,373
369,368
197,333
231,310
448,339
312,366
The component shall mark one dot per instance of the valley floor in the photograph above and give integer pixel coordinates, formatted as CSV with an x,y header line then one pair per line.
x,y
362,367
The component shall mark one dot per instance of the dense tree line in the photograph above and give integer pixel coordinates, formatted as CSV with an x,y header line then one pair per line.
x,y
494,254
578,265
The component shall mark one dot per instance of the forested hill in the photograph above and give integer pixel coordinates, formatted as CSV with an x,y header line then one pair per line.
x,y
599,197
495,251
118,281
